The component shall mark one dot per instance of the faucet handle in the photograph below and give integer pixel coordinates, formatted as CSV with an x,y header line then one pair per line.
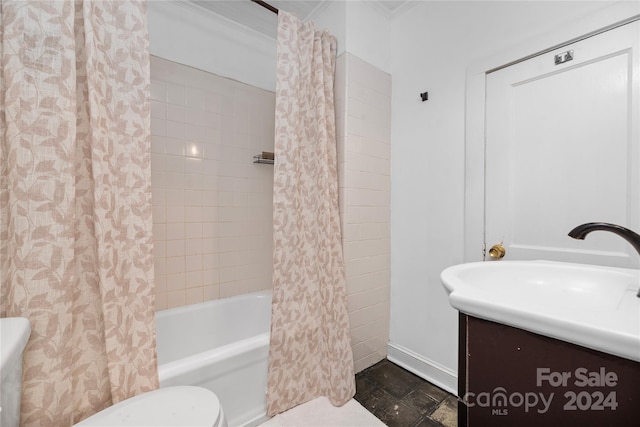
x,y
497,251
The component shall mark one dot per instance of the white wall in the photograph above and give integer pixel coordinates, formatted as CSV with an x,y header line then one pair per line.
x,y
368,34
191,36
333,18
363,133
441,47
360,28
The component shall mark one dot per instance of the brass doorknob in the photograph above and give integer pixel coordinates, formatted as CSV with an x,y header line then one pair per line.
x,y
497,251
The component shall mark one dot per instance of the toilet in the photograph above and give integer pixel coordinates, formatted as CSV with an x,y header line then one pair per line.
x,y
171,406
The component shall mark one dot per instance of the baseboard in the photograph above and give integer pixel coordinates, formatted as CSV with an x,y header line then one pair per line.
x,y
431,371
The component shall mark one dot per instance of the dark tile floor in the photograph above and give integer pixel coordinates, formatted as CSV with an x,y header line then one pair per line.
x,y
401,399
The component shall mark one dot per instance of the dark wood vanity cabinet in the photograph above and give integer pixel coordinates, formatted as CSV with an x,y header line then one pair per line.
x,y
510,377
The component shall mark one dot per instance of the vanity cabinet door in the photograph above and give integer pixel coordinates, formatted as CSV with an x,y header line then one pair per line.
x,y
511,377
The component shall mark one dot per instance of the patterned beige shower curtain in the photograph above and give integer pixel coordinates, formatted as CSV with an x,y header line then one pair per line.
x,y
76,245
310,351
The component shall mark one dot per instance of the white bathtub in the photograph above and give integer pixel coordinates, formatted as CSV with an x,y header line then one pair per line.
x,y
222,345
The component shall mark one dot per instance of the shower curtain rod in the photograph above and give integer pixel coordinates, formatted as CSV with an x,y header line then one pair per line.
x,y
266,6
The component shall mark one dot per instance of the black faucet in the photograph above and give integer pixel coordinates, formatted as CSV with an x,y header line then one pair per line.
x,y
581,231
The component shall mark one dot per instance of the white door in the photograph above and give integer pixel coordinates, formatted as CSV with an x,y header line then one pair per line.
x,y
562,149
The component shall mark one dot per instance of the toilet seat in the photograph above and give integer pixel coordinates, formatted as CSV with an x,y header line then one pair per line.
x,y
170,406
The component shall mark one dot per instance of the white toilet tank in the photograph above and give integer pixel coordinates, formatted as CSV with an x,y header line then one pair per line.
x,y
171,406
14,334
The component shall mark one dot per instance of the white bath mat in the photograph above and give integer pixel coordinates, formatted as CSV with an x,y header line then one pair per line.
x,y
320,413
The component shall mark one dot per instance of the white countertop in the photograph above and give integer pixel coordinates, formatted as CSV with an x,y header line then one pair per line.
x,y
592,306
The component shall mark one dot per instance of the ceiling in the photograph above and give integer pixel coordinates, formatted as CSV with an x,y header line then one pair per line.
x,y
251,15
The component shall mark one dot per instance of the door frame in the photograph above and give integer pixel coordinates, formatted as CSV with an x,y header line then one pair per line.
x,y
474,211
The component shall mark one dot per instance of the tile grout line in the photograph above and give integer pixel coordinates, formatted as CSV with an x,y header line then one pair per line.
x,y
399,398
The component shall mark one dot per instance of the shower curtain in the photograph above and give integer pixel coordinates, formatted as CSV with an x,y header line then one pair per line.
x,y
76,245
310,351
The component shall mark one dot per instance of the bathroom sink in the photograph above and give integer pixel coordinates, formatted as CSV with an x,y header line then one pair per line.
x,y
588,305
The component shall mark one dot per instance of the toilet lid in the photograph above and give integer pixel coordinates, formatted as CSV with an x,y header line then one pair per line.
x,y
170,406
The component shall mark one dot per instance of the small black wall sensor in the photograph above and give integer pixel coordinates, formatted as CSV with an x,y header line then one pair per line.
x,y
424,96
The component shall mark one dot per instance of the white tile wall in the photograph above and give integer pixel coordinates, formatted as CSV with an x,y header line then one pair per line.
x,y
212,208
363,121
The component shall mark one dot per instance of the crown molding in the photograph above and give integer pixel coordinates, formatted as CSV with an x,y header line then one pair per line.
x,y
386,12
317,11
404,7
